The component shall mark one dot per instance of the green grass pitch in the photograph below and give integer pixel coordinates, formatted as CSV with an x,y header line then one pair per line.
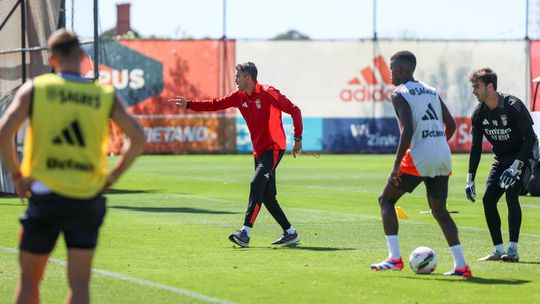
x,y
165,238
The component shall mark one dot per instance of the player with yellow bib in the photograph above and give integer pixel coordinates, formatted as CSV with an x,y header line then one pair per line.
x,y
64,169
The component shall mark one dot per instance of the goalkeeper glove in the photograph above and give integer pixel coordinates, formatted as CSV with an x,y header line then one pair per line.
x,y
470,189
511,175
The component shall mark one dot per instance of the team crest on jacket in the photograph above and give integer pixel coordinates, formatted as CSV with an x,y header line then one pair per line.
x,y
258,104
504,120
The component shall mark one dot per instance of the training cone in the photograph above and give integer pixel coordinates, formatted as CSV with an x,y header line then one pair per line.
x,y
401,214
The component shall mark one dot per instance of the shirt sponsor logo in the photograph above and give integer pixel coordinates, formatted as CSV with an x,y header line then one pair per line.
x,y
498,131
422,91
68,164
372,85
432,133
498,134
65,95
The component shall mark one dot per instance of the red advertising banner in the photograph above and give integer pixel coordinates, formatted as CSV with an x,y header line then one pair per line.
x,y
146,73
462,139
189,134
535,73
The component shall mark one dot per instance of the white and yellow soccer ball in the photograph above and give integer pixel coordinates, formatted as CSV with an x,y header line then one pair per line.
x,y
423,260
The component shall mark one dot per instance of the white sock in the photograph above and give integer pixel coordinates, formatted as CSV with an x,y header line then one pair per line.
x,y
291,230
512,245
459,258
499,247
393,246
246,229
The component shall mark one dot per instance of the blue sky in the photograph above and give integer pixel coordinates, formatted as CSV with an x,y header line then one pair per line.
x,y
335,19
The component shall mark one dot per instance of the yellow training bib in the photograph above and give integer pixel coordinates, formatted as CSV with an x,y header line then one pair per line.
x,y
66,141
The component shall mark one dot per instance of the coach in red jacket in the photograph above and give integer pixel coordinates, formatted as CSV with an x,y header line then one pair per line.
x,y
261,106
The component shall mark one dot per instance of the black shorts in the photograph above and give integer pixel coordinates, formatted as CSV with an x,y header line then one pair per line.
x,y
48,215
436,187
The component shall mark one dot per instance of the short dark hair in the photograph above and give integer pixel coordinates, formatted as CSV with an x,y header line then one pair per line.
x,y
248,68
486,76
64,45
407,57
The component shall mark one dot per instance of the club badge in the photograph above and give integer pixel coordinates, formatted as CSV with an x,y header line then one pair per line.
x,y
258,104
504,120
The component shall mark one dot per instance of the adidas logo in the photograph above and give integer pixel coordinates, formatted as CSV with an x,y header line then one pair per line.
x,y
373,84
430,114
244,104
267,175
485,122
70,135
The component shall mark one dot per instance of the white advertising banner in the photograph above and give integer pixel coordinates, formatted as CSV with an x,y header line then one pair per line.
x,y
351,79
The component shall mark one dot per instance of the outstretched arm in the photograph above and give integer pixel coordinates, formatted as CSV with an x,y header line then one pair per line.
x,y
216,104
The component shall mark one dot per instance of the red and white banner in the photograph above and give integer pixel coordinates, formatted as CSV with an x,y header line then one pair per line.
x,y
535,73
146,73
352,79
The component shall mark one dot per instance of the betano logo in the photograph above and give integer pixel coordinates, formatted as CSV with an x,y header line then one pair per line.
x,y
377,88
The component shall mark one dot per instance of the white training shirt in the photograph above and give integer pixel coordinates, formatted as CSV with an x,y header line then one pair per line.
x,y
429,154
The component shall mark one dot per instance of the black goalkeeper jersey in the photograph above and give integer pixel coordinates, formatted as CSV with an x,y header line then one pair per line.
x,y
508,128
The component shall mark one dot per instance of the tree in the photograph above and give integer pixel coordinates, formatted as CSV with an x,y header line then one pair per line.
x,y
291,35
132,34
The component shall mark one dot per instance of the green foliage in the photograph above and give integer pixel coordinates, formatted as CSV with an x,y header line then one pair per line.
x,y
292,35
169,218
131,35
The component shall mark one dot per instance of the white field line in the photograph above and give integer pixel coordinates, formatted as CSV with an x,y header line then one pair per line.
x,y
134,280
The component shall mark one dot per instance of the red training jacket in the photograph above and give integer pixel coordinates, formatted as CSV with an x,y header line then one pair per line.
x,y
262,112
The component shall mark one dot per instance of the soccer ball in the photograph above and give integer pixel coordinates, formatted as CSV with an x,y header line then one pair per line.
x,y
423,260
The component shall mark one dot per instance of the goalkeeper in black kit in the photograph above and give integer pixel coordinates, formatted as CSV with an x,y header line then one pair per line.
x,y
506,123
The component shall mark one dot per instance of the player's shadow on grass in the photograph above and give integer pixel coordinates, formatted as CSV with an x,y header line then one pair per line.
x,y
313,248
299,247
14,202
128,191
529,263
479,280
173,210
474,280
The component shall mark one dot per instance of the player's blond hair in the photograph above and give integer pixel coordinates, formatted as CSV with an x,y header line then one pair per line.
x,y
64,45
